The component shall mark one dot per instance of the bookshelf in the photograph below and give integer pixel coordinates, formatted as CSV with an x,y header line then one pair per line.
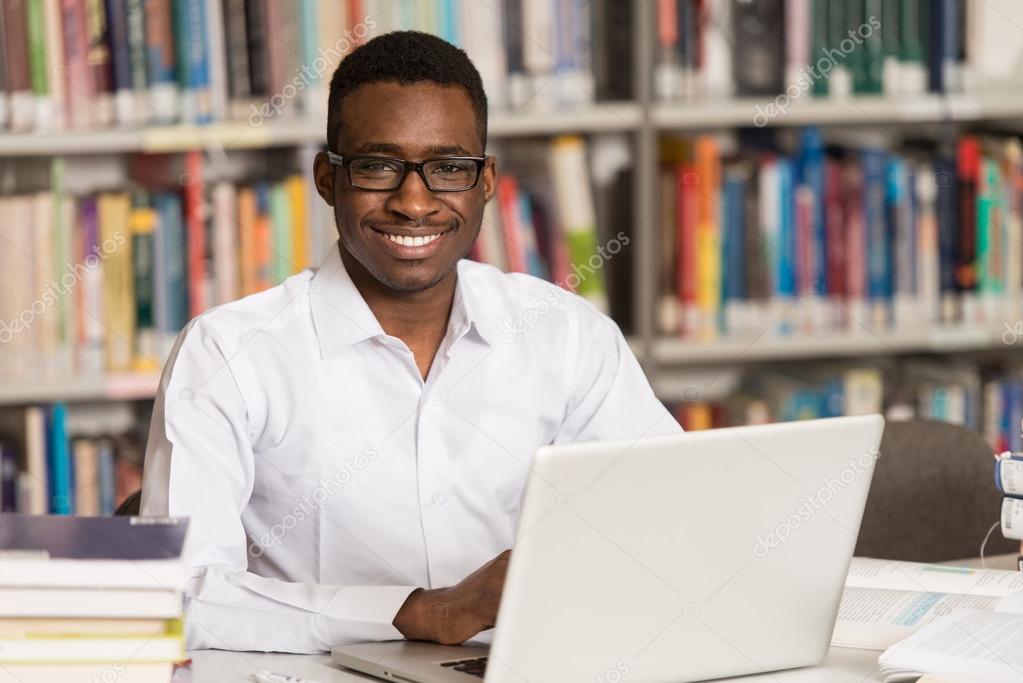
x,y
643,119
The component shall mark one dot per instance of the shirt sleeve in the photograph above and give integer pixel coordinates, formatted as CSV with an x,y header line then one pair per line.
x,y
610,396
200,464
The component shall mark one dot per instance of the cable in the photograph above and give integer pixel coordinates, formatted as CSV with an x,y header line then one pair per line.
x,y
984,544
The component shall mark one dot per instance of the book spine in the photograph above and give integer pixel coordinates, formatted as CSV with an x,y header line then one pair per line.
x,y
117,17
38,64
58,449
143,227
99,61
19,65
195,232
138,70
164,104
507,197
5,84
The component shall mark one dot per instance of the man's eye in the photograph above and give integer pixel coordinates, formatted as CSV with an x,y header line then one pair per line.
x,y
377,167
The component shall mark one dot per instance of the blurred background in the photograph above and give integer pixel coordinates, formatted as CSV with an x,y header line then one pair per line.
x,y
793,209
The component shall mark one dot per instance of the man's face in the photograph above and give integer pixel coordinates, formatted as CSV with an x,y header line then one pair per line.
x,y
411,122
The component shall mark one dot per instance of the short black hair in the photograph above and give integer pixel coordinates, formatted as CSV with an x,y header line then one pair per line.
x,y
405,57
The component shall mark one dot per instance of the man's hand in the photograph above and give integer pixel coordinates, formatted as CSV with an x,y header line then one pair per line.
x,y
450,616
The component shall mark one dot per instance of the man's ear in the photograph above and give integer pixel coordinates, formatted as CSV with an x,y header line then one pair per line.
x,y
323,174
489,178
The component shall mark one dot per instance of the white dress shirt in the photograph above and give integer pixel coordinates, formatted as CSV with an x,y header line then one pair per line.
x,y
326,480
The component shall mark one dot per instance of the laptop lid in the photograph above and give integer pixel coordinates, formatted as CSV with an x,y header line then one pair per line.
x,y
701,555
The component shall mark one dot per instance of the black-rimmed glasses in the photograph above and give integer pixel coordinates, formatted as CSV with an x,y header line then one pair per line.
x,y
386,174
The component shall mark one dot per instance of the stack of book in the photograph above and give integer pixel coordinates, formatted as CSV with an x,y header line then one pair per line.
x,y
82,64
832,239
91,598
834,48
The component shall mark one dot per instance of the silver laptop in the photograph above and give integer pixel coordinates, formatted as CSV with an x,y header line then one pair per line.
x,y
673,558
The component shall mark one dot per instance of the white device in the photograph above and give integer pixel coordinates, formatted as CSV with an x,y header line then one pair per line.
x,y
666,559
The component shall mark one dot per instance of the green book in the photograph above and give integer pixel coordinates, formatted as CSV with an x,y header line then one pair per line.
x,y
990,219
280,221
819,45
37,47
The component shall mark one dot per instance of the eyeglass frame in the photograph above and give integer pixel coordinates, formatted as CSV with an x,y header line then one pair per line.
x,y
345,161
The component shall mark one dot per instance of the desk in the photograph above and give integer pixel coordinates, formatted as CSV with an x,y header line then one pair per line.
x,y
842,665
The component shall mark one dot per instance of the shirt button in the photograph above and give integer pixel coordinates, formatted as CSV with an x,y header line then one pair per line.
x,y
438,499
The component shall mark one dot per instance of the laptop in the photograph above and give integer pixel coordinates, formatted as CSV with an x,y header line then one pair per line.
x,y
671,558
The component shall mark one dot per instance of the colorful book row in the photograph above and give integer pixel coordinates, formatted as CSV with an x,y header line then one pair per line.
x,y
84,64
836,239
834,48
45,470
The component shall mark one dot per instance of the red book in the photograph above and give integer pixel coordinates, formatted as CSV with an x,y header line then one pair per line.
x,y
855,232
688,207
80,88
968,172
195,233
511,227
834,217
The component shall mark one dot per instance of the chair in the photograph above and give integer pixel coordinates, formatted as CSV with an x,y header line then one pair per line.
x,y
130,505
933,496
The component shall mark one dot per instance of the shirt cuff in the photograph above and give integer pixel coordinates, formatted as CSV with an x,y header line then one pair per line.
x,y
363,614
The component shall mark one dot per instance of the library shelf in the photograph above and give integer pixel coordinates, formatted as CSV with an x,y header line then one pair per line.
x,y
864,344
231,135
111,387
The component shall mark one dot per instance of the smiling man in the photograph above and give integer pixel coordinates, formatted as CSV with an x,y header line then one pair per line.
x,y
352,445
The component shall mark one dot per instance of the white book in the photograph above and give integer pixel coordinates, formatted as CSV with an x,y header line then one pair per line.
x,y
886,600
538,52
89,602
716,72
225,243
163,647
122,672
966,647
483,40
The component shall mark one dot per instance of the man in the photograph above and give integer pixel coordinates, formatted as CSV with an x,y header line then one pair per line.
x,y
352,445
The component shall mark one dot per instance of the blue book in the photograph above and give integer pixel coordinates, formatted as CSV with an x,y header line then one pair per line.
x,y
8,477
786,276
447,21
107,478
58,451
1015,406
733,281
875,225
89,552
193,63
308,34
811,174
171,281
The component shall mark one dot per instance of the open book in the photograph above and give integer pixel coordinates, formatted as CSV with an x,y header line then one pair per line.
x,y
885,601
965,647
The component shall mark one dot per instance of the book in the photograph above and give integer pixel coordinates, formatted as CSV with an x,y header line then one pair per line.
x,y
976,646
163,645
885,601
116,553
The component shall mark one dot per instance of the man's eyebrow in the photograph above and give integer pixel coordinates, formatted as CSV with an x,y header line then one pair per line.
x,y
397,150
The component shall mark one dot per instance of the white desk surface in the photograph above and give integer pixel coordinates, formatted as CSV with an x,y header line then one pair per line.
x,y
842,665
212,666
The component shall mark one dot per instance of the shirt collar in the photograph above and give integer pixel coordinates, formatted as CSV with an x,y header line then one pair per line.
x,y
342,317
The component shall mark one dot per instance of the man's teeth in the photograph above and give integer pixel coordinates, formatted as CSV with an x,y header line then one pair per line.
x,y
409,241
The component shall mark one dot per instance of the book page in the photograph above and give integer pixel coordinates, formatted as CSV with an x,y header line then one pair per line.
x,y
935,578
966,646
874,619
